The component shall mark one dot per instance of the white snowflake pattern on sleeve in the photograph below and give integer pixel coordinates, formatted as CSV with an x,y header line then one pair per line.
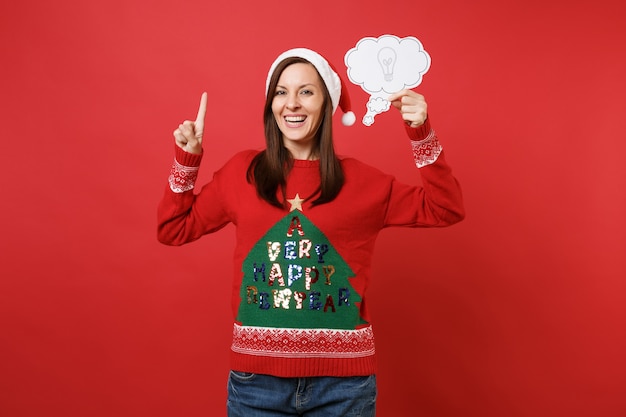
x,y
426,151
182,178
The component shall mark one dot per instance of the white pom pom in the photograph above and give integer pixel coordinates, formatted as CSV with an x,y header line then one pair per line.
x,y
348,118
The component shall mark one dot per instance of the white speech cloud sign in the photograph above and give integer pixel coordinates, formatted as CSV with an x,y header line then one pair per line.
x,y
383,66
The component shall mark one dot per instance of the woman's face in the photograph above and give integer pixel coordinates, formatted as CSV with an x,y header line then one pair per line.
x,y
297,107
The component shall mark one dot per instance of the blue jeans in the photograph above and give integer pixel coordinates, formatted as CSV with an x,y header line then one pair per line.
x,y
256,395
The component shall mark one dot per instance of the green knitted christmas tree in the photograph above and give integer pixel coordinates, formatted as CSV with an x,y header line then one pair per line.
x,y
294,278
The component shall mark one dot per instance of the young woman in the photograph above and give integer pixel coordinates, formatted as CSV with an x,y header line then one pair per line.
x,y
306,222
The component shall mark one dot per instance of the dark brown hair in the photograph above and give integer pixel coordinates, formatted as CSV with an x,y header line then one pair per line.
x,y
269,169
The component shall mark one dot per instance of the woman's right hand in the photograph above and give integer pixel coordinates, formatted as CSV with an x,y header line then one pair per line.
x,y
188,136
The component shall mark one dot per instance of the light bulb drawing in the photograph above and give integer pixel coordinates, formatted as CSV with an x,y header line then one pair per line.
x,y
387,59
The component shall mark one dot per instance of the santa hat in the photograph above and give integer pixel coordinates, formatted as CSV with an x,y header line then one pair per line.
x,y
334,83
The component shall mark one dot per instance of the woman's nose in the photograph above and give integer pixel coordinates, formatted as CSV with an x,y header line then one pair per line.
x,y
292,101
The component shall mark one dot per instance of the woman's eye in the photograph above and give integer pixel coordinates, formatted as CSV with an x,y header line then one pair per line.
x,y
306,92
279,93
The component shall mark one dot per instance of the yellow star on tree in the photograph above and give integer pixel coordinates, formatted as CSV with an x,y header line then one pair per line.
x,y
296,203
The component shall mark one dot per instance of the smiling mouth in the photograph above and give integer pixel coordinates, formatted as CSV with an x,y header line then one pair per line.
x,y
295,119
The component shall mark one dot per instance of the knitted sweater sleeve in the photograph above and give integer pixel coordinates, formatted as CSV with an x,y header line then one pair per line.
x,y
438,201
182,215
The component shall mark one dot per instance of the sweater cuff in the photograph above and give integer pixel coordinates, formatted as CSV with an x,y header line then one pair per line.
x,y
187,159
184,171
426,149
419,133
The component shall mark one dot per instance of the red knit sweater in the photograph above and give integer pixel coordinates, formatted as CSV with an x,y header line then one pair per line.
x,y
301,275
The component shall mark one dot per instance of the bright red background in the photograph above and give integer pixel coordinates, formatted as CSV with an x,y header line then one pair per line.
x,y
517,311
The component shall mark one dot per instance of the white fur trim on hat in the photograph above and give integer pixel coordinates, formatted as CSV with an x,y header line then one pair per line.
x,y
332,80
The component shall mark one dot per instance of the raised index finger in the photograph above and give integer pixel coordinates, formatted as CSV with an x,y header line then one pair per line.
x,y
202,108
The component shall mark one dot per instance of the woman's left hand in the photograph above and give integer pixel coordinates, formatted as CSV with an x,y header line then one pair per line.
x,y
412,107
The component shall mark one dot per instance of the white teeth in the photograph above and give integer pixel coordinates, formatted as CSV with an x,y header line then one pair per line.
x,y
295,119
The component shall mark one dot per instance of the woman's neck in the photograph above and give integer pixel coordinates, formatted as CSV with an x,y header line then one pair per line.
x,y
305,153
